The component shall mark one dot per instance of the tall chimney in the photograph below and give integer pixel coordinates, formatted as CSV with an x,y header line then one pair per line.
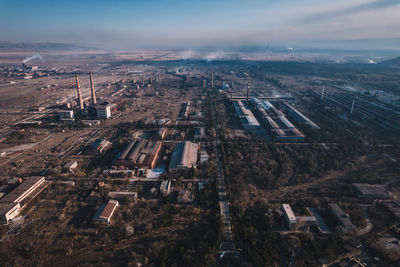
x,y
94,101
78,88
248,90
212,78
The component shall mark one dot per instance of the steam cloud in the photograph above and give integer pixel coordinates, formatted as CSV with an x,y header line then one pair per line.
x,y
187,54
34,56
215,56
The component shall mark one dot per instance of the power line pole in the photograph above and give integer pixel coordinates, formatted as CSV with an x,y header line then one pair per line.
x,y
352,107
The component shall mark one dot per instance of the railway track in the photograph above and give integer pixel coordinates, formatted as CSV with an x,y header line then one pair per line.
x,y
386,117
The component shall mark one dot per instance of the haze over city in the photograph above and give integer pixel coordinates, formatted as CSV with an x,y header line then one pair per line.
x,y
177,23
169,133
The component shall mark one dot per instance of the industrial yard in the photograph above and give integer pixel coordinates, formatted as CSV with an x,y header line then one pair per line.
x,y
110,159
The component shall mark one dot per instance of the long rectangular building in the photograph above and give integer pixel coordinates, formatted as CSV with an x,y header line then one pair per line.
x,y
184,156
13,203
343,218
21,192
289,216
246,116
140,153
105,212
299,117
8,211
98,147
275,122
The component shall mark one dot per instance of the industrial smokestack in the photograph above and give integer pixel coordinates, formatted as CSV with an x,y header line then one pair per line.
x,y
78,88
248,90
212,79
94,101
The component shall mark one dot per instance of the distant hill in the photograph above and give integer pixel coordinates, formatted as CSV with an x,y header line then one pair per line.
x,y
23,46
394,62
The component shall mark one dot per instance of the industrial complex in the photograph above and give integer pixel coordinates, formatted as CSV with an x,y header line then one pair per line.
x,y
140,153
136,158
257,113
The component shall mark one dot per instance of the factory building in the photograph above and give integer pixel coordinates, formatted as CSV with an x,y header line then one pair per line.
x,y
184,156
105,212
8,211
98,147
321,226
371,191
140,153
71,166
13,203
103,111
66,114
275,122
246,117
22,191
343,218
299,117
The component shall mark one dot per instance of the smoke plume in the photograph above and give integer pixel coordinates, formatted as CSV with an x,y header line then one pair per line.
x,y
34,56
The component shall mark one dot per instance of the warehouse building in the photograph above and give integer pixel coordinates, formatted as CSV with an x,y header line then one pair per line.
x,y
13,203
246,116
66,114
104,214
140,153
184,156
371,191
71,166
275,122
98,147
299,117
343,218
8,211
24,190
322,228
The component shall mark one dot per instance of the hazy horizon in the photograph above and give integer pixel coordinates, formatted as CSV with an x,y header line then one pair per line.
x,y
175,23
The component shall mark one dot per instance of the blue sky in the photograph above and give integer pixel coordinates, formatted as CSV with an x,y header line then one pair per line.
x,y
196,23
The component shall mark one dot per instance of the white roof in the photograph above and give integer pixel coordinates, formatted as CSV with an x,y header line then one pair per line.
x,y
289,212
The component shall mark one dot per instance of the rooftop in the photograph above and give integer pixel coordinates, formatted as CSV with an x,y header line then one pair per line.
x,y
369,190
28,184
289,212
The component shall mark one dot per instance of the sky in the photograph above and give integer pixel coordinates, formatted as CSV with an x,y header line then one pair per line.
x,y
187,23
